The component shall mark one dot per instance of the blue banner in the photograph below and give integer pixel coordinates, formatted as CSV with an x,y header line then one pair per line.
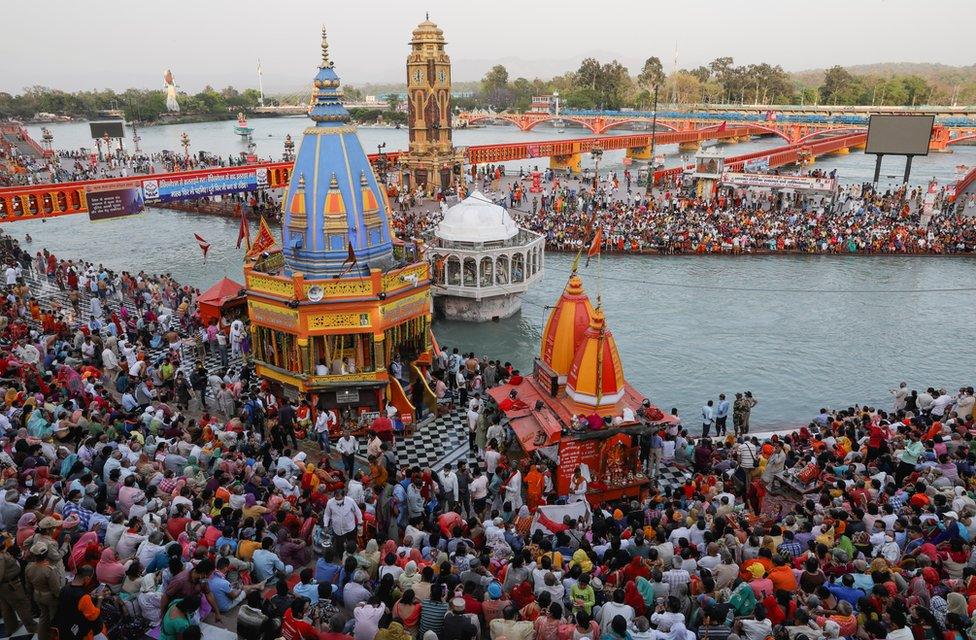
x,y
170,189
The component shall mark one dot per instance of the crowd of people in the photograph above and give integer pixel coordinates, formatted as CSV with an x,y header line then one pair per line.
x,y
127,513
93,164
673,220
859,219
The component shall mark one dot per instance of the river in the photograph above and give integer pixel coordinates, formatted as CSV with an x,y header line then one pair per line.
x,y
269,135
800,332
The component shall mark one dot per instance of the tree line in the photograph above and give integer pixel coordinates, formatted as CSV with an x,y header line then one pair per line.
x,y
609,85
143,105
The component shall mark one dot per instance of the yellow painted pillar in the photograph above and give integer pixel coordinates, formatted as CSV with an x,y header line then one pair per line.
x,y
306,361
572,163
379,353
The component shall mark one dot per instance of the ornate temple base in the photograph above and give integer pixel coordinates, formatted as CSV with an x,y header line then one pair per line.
x,y
433,170
471,310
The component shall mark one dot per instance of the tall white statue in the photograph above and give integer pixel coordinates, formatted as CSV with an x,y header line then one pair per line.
x,y
171,102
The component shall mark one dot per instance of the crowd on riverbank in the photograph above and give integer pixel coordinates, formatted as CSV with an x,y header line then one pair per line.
x,y
567,212
859,220
122,513
93,164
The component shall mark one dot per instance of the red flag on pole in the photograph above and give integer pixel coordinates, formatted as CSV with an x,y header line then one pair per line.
x,y
349,262
595,245
243,232
723,126
204,245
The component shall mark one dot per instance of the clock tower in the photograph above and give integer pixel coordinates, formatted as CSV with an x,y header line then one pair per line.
x,y
432,160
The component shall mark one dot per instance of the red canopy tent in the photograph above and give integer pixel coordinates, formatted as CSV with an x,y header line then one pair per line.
x,y
218,298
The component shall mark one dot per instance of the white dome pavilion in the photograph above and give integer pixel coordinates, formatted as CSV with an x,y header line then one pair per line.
x,y
476,219
483,261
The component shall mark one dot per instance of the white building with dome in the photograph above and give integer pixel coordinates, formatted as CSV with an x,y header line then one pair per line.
x,y
483,261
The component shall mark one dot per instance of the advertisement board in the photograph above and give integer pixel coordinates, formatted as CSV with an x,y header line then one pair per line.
x,y
114,200
798,183
170,189
899,135
114,129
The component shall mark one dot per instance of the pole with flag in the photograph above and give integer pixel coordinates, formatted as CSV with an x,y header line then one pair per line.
x,y
244,231
349,262
595,249
204,245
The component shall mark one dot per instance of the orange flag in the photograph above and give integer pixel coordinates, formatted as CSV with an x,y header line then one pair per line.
x,y
263,241
595,246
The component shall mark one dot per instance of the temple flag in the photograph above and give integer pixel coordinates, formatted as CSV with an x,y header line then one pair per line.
x,y
595,246
263,241
349,262
243,232
204,245
723,126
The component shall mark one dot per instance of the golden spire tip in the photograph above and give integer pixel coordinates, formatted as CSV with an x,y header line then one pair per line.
x,y
325,50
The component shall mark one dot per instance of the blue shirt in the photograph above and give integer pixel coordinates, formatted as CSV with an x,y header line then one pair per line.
x,y
265,564
310,591
220,588
848,594
327,571
221,541
722,410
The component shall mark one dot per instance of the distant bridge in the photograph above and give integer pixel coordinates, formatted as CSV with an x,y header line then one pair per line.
x,y
791,129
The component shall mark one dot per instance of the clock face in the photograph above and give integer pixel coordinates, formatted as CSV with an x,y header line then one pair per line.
x,y
417,75
442,75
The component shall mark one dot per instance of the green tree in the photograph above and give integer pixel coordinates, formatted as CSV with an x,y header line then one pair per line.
x,y
840,86
652,74
615,85
495,79
702,73
495,90
589,74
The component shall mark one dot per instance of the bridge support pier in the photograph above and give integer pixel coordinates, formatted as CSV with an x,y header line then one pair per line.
x,y
639,153
573,163
940,140
689,147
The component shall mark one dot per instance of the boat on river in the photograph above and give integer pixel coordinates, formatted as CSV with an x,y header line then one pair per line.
x,y
242,129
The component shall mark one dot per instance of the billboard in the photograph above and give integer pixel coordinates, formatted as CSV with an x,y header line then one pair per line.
x,y
170,189
114,200
771,181
114,129
899,135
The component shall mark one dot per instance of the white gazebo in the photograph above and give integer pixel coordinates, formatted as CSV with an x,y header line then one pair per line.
x,y
483,261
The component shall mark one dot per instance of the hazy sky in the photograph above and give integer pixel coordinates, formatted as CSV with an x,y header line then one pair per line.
x,y
116,44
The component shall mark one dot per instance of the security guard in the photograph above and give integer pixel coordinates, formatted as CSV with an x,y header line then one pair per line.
x,y
44,584
14,605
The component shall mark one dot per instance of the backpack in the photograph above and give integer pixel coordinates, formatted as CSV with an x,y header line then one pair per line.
x,y
743,600
389,460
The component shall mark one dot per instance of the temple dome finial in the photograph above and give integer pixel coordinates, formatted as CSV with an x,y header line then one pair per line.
x,y
325,51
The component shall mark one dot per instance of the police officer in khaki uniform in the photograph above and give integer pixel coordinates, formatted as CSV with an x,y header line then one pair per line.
x,y
14,605
55,552
44,585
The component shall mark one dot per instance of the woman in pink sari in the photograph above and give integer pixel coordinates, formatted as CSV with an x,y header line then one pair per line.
x,y
109,570
85,552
